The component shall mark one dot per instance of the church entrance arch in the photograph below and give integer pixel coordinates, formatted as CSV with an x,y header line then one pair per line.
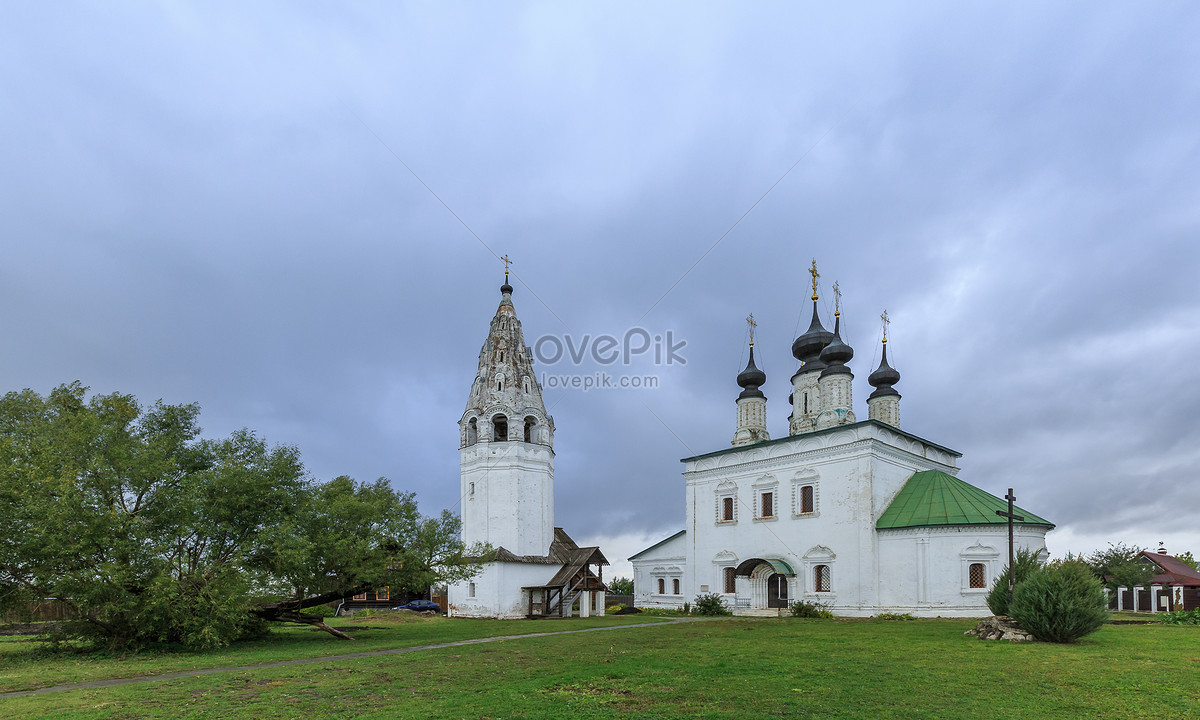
x,y
770,579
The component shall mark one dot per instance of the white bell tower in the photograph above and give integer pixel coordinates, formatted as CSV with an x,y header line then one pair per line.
x,y
507,445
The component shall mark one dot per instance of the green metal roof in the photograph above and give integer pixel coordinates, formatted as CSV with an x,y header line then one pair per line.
x,y
931,497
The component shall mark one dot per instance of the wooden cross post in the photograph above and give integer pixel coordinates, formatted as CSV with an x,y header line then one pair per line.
x,y
1012,574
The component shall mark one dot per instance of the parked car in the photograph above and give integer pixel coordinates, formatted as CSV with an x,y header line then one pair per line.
x,y
420,606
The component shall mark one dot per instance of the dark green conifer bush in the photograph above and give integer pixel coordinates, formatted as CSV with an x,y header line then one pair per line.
x,y
1026,562
1060,603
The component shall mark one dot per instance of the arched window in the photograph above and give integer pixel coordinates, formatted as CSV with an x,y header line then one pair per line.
x,y
530,424
501,356
472,432
499,428
662,586
675,586
730,580
978,573
821,578
499,385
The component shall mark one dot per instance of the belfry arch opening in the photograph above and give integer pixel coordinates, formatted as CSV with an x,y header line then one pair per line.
x,y
472,432
499,428
530,428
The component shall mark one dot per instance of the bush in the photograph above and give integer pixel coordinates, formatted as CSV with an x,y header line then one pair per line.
x,y
1180,617
710,604
1060,603
1026,562
895,616
320,611
802,609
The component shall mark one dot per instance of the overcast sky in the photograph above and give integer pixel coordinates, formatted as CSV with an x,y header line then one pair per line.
x,y
210,203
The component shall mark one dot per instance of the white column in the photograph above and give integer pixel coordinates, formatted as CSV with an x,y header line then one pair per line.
x,y
585,603
1136,589
1154,597
1120,597
600,603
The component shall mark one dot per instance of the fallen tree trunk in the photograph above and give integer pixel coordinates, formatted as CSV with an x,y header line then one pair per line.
x,y
291,616
290,611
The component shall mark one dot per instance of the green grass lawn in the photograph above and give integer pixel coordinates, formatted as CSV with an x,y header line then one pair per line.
x,y
26,664
723,668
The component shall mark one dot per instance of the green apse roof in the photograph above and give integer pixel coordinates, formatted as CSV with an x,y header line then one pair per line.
x,y
931,497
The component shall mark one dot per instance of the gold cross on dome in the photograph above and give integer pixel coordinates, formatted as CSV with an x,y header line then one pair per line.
x,y
752,324
506,262
813,271
886,322
837,300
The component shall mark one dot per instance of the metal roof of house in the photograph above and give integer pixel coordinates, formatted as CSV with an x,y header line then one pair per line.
x,y
1175,571
660,542
933,498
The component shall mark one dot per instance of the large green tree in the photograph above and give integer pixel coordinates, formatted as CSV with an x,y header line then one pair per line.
x,y
1120,565
153,534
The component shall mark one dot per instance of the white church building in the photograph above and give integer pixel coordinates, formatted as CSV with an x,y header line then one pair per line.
x,y
860,516
506,458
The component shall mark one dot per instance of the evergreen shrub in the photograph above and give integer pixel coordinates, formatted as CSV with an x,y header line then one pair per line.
x,y
1026,562
1060,603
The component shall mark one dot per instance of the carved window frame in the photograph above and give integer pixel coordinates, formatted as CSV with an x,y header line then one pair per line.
x,y
806,478
727,489
979,553
766,484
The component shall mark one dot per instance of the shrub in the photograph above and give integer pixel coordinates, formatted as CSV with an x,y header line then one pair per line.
x,y
802,609
320,610
895,616
710,604
1060,603
1180,617
1026,562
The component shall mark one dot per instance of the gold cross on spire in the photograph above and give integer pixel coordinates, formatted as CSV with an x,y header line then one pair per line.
x,y
752,324
813,271
837,300
506,262
886,322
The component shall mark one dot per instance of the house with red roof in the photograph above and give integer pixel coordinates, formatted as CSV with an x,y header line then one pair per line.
x,y
1176,586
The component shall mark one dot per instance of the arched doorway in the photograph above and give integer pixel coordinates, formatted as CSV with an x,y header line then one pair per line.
x,y
769,581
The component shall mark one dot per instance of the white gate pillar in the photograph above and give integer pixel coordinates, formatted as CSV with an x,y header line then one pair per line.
x,y
585,603
600,603
1136,589
1154,597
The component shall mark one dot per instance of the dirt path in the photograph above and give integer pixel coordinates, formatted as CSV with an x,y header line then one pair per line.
x,y
323,659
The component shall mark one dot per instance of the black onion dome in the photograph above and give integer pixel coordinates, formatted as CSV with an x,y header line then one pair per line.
x,y
751,375
506,289
837,352
807,348
884,377
751,378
